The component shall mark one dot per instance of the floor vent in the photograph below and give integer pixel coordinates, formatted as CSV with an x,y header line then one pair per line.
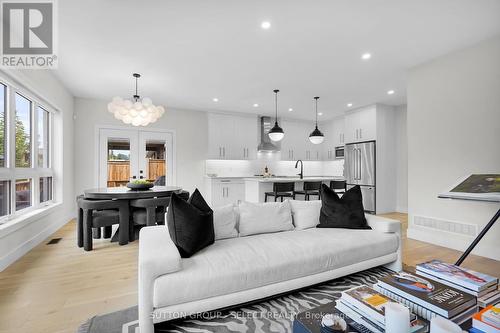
x,y
54,241
444,225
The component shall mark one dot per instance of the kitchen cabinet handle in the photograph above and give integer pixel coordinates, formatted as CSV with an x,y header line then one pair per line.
x,y
224,151
220,152
360,133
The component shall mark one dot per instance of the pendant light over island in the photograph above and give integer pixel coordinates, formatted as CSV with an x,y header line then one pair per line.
x,y
316,137
276,133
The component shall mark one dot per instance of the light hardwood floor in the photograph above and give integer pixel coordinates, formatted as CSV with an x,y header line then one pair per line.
x,y
54,288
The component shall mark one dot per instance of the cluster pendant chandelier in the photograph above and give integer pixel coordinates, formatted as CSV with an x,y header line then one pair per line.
x,y
316,137
136,112
276,133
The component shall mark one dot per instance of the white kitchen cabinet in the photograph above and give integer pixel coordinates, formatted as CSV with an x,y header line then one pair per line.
x,y
232,137
334,137
224,191
294,144
361,125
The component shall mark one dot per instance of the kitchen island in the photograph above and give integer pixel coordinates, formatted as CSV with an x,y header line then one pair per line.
x,y
255,187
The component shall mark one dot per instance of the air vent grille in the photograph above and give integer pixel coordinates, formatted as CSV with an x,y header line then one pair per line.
x,y
444,225
54,241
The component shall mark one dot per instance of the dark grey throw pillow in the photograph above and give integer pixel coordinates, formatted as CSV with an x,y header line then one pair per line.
x,y
346,212
190,223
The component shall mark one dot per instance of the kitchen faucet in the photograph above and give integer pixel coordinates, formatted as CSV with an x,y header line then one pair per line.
x,y
301,174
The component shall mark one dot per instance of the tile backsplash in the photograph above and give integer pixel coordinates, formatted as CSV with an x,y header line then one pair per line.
x,y
242,168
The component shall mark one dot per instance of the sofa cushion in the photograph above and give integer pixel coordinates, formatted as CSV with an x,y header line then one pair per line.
x,y
259,218
305,214
190,223
242,263
225,222
345,212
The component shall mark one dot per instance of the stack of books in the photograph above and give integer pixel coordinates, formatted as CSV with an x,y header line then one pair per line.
x,y
428,298
487,320
480,285
366,306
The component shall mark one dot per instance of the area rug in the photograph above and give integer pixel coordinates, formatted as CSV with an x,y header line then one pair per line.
x,y
271,315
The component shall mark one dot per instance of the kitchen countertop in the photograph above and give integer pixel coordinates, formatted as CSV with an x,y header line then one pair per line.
x,y
292,179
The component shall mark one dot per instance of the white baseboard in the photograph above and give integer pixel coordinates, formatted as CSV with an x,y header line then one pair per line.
x,y
452,241
29,244
401,209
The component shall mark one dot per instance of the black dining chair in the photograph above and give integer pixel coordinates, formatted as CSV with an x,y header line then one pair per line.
x,y
281,190
339,186
310,188
149,211
98,214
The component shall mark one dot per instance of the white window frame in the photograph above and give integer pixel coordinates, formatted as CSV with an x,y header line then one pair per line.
x,y
10,172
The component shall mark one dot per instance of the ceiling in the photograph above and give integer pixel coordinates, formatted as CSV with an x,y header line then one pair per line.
x,y
194,50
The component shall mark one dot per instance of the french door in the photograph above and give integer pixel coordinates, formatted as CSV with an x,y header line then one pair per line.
x,y
127,154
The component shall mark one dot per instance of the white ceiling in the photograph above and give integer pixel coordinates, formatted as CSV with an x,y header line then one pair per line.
x,y
191,51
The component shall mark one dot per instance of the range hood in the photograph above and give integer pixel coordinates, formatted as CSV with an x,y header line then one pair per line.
x,y
266,144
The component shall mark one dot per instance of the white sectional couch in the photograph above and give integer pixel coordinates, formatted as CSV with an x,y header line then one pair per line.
x,y
242,269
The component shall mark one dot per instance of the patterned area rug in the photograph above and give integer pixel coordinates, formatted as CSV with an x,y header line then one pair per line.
x,y
271,315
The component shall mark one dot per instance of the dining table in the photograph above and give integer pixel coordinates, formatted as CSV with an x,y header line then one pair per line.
x,y
124,193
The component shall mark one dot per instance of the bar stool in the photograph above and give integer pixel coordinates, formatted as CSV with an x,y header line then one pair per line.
x,y
281,190
149,211
310,188
98,214
339,186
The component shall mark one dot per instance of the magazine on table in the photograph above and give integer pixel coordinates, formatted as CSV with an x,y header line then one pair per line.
x,y
457,275
432,295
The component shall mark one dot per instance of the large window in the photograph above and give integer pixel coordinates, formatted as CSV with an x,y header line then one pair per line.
x,y
26,177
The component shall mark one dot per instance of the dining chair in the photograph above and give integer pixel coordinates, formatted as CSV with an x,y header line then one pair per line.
x,y
102,213
149,212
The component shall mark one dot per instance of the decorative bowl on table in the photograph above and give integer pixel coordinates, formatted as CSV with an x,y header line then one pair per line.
x,y
140,185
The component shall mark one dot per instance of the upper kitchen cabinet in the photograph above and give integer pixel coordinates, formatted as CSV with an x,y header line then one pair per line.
x,y
294,144
361,124
334,137
232,137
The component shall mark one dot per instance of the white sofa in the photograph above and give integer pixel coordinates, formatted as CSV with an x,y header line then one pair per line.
x,y
242,269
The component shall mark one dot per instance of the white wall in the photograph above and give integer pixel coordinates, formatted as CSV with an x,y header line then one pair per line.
x,y
191,137
18,238
454,130
402,160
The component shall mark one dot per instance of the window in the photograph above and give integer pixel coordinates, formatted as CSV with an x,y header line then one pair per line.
x,y
26,175
23,132
23,193
43,137
3,105
45,189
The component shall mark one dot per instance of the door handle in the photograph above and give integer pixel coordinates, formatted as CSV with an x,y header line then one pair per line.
x,y
359,164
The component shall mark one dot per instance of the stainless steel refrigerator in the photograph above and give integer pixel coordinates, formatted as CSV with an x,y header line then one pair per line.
x,y
359,167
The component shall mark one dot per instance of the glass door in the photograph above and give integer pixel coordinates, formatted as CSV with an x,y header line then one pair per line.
x,y
155,157
126,154
117,157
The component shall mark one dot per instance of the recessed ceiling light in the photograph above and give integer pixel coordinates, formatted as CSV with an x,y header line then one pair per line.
x,y
390,92
290,110
256,105
265,25
215,99
366,56
320,113
349,105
